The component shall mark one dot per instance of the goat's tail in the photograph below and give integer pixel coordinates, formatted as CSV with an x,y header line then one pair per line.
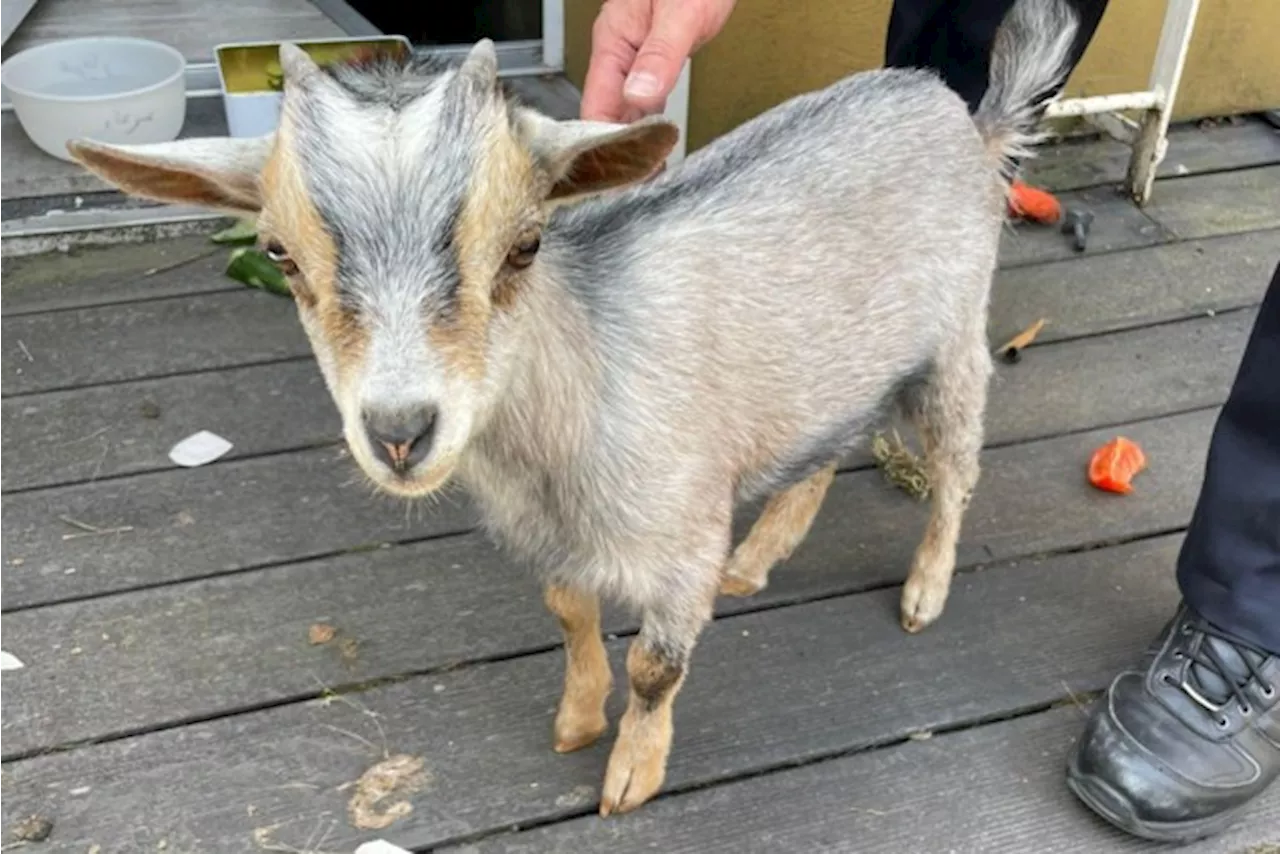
x,y
1029,60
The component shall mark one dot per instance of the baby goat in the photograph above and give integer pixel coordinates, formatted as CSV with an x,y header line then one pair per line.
x,y
610,376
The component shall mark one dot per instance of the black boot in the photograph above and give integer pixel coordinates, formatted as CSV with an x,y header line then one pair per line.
x,y
1178,746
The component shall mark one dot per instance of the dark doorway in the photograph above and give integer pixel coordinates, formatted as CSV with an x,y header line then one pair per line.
x,y
443,23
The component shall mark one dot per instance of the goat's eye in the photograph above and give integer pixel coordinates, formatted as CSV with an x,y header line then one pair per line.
x,y
521,255
279,256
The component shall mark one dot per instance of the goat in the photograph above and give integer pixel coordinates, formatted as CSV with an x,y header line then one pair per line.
x,y
612,357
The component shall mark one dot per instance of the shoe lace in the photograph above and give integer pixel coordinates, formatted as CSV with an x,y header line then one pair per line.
x,y
1210,680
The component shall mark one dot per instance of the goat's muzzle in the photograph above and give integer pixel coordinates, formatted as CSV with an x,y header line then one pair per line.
x,y
401,438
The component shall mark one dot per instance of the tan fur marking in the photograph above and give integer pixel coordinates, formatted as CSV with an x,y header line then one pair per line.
x,y
587,680
291,216
781,527
501,192
638,762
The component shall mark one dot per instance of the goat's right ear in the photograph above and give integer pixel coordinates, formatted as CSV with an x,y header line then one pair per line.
x,y
590,157
220,173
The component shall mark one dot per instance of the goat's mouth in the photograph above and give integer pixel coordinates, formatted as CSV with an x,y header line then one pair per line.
x,y
418,482
402,479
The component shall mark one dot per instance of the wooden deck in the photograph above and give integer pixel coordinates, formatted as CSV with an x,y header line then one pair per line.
x,y
171,699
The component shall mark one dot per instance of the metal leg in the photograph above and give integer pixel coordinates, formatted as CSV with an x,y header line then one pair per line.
x,y
553,34
678,111
1166,74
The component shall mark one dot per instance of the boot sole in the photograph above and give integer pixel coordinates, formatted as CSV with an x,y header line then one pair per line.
x,y
1109,804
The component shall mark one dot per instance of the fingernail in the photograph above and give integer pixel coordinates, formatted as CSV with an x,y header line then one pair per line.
x,y
641,84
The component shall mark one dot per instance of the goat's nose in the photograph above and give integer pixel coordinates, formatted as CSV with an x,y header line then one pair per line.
x,y
401,437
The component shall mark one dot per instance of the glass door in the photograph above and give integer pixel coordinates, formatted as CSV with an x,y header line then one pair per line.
x,y
440,24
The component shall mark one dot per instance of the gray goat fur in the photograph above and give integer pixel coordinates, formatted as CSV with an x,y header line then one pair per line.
x,y
726,331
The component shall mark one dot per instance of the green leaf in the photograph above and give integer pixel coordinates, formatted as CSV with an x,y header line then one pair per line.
x,y
253,268
244,231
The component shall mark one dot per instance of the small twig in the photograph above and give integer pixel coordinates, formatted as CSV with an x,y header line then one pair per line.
x,y
180,262
95,434
1075,701
23,347
87,530
331,695
360,738
84,526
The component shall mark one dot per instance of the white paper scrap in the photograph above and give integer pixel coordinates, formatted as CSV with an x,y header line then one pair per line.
x,y
381,846
199,449
9,661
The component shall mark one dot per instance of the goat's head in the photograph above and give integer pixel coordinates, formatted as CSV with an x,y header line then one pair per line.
x,y
405,205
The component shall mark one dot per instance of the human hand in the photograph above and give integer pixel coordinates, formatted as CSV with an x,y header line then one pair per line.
x,y
638,48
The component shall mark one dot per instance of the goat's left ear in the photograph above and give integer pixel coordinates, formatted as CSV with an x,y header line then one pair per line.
x,y
220,173
590,157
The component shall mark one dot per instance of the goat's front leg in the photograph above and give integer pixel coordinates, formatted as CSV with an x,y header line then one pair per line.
x,y
587,680
656,667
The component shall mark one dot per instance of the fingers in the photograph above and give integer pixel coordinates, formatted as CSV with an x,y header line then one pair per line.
x,y
638,49
611,57
676,29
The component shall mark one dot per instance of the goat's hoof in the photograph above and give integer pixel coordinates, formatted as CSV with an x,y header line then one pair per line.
x,y
633,777
736,585
574,735
922,603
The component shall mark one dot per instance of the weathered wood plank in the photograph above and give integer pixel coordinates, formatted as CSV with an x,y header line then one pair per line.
x,y
1121,290
1077,164
188,523
1232,202
1110,379
874,802
114,274
84,434
195,650
553,94
1085,383
1181,208
107,431
766,689
1117,224
97,345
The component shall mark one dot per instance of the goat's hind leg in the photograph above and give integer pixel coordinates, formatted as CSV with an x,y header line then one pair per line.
x,y
580,719
780,528
947,411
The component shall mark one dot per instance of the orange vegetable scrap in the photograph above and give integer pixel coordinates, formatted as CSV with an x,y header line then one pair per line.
x,y
1033,203
1114,465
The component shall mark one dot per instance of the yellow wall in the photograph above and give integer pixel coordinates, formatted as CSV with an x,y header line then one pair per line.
x,y
773,49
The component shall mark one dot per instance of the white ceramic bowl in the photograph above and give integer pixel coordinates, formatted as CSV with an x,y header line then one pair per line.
x,y
108,89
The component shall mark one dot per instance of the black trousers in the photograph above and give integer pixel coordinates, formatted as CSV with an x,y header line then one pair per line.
x,y
954,38
1229,566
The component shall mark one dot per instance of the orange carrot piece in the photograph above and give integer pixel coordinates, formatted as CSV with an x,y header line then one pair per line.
x,y
1114,465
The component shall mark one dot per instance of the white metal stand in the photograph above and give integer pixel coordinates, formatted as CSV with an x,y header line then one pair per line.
x,y
1146,137
553,34
678,111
